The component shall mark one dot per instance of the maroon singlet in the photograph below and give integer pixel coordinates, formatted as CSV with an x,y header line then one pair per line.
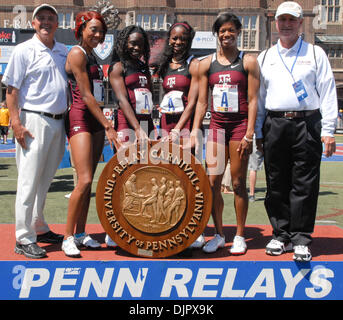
x,y
177,79
233,123
135,77
79,118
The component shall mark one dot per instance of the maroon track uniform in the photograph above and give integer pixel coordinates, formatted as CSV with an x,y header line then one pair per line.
x,y
138,85
79,118
176,84
229,107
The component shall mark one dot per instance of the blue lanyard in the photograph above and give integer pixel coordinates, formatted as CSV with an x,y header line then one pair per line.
x,y
296,58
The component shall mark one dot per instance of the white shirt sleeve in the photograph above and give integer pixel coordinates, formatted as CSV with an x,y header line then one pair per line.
x,y
325,84
16,68
261,110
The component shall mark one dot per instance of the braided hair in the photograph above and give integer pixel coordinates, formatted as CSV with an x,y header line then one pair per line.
x,y
121,53
167,54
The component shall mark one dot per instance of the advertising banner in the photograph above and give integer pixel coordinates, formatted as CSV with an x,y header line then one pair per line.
x,y
170,280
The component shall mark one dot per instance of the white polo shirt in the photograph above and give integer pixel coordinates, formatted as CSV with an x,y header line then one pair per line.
x,y
276,90
39,75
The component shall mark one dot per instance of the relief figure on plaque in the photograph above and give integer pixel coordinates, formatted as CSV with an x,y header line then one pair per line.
x,y
152,200
174,214
160,199
168,199
131,194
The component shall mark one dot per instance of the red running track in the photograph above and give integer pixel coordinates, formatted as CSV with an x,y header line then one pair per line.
x,y
327,246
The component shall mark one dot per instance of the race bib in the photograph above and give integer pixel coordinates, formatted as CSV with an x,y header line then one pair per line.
x,y
225,98
98,91
172,102
143,101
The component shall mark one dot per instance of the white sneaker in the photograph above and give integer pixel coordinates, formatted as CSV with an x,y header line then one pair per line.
x,y
198,243
109,242
86,241
239,246
69,247
302,253
276,247
214,244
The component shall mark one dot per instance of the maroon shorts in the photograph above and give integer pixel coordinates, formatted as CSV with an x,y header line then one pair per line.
x,y
169,121
126,132
81,120
224,132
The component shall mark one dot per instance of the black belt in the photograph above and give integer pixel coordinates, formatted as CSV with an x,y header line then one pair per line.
x,y
47,114
291,114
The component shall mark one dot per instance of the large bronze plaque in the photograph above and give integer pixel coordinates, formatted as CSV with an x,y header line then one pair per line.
x,y
154,200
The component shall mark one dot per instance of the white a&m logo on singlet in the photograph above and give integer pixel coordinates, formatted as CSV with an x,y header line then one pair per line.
x,y
171,82
143,81
224,78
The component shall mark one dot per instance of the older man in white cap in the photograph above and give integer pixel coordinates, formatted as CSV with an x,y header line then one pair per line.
x,y
297,112
37,86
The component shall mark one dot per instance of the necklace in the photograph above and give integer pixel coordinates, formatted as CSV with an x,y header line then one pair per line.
x,y
175,61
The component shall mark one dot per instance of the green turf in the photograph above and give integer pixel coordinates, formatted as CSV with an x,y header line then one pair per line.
x,y
330,203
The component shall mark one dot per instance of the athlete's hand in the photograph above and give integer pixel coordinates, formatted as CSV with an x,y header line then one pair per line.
x,y
244,149
112,137
194,140
174,135
141,135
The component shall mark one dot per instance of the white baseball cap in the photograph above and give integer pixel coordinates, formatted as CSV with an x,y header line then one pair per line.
x,y
44,6
289,7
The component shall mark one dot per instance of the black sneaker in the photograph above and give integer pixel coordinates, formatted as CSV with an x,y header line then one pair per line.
x,y
50,237
31,250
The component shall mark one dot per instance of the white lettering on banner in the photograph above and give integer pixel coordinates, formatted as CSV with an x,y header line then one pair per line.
x,y
59,281
322,287
170,281
291,282
39,277
125,278
270,283
178,278
202,280
228,290
267,276
33,278
92,278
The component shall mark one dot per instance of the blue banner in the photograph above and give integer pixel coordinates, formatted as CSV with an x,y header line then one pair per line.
x,y
170,280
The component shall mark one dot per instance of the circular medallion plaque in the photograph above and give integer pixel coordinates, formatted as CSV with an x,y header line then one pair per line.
x,y
154,200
